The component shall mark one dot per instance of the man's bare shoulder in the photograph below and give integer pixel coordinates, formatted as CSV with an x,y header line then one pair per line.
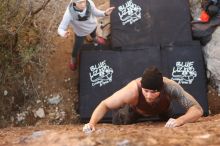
x,y
131,91
138,79
134,85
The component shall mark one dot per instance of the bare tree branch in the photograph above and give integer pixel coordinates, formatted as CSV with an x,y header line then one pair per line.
x,y
23,21
40,8
30,6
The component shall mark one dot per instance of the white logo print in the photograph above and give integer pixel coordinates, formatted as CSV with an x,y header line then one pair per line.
x,y
100,74
129,12
184,73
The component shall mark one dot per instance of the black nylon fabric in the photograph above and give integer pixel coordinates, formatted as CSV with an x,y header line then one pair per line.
x,y
161,22
127,65
191,67
91,95
162,37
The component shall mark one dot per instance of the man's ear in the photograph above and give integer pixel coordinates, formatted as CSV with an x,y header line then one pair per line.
x,y
74,4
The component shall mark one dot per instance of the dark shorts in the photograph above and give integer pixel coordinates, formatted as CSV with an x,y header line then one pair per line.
x,y
127,115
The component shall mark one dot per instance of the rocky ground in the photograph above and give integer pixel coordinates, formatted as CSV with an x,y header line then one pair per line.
x,y
204,132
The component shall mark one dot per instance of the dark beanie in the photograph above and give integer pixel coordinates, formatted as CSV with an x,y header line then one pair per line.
x,y
152,79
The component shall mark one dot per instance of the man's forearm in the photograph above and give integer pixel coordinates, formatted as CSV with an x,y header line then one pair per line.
x,y
192,115
98,113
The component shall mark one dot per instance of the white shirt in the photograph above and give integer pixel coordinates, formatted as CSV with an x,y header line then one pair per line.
x,y
81,28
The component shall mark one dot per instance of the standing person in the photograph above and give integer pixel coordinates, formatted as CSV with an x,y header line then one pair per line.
x,y
149,95
81,14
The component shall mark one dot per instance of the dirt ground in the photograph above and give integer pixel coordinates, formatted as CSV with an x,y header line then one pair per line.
x,y
58,79
204,132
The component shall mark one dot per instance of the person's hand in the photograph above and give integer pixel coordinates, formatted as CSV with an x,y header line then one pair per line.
x,y
109,11
67,34
171,123
88,128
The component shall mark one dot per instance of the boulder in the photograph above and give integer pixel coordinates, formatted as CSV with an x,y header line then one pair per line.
x,y
212,58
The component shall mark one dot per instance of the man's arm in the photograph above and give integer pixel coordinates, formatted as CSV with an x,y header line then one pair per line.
x,y
193,108
192,115
127,95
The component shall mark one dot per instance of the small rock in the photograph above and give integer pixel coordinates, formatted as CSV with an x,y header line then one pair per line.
x,y
25,94
12,119
21,116
54,100
38,134
5,93
210,112
67,80
40,113
204,136
123,143
28,108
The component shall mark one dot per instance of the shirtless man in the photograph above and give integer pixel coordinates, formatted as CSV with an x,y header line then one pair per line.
x,y
152,94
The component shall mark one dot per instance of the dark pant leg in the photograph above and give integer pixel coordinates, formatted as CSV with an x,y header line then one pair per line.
x,y
125,115
93,34
78,44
